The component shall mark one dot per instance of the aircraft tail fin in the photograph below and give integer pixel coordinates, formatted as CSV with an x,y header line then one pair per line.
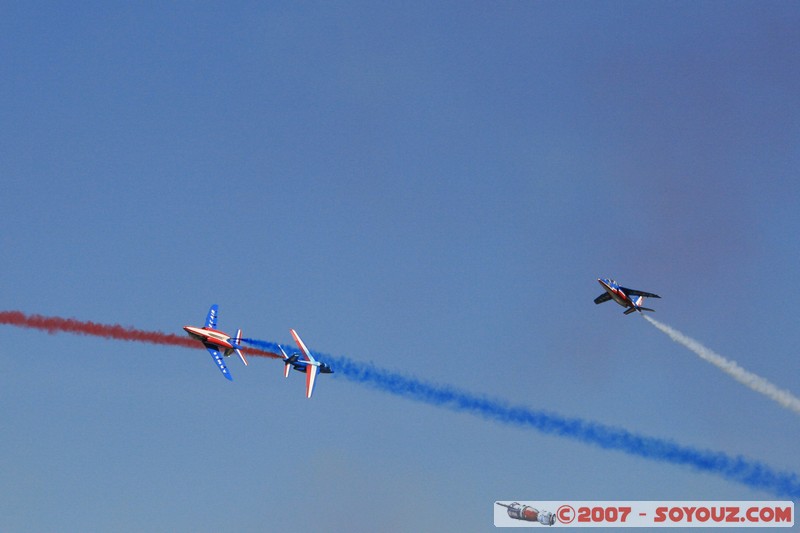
x,y
639,302
638,306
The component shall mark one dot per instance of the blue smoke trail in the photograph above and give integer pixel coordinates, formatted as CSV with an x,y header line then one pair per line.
x,y
752,473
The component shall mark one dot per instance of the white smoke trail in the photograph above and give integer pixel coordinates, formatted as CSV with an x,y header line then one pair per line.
x,y
757,383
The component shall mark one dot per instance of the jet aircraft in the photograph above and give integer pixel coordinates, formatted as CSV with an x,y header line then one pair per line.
x,y
622,295
215,340
304,362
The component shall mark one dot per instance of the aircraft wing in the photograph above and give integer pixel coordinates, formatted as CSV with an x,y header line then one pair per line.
x,y
302,346
211,318
218,359
602,298
311,364
311,376
634,292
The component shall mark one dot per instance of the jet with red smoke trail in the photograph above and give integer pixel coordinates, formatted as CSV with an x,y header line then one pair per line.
x,y
304,362
214,340
623,296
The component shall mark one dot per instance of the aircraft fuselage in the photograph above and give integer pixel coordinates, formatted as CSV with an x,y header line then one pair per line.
x,y
210,336
616,294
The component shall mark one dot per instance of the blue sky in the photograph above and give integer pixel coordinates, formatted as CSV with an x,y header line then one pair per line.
x,y
431,188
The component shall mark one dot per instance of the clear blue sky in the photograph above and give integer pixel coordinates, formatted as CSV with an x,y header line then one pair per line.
x,y
432,187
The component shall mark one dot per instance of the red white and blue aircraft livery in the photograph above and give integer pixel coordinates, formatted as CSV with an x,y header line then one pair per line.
x,y
623,296
304,362
215,340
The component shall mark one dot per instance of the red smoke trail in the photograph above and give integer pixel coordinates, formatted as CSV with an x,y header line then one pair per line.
x,y
53,325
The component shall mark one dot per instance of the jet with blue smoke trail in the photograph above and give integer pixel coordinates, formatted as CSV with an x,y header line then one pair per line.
x,y
305,363
749,472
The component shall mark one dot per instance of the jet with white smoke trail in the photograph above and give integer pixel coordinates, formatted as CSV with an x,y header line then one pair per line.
x,y
623,296
753,381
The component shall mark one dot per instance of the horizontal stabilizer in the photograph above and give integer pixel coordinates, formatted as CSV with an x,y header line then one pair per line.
x,y
640,309
238,347
286,362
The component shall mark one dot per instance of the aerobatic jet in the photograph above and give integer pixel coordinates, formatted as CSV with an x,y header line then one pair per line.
x,y
216,341
623,296
304,362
